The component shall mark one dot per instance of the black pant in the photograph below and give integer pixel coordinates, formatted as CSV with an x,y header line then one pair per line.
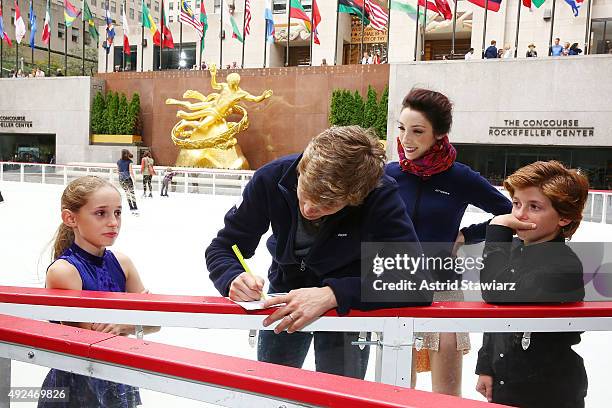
x,y
128,186
146,180
164,188
1,198
334,353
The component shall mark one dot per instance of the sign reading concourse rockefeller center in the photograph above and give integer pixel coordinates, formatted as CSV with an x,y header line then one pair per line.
x,y
564,128
14,122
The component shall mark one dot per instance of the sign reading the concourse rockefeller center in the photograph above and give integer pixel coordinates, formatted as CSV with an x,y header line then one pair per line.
x,y
562,128
12,122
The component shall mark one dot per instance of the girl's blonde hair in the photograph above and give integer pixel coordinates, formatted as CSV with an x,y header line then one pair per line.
x,y
75,196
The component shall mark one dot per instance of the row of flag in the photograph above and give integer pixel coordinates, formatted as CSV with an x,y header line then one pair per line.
x,y
369,11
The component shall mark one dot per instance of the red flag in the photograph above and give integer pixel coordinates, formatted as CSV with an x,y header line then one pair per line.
x,y
316,19
430,5
444,9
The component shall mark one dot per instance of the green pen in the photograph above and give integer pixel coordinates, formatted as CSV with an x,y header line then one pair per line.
x,y
246,267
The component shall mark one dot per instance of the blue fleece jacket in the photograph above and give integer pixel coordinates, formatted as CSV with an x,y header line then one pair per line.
x,y
436,205
334,259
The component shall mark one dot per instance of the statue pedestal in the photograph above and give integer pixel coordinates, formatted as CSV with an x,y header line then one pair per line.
x,y
231,158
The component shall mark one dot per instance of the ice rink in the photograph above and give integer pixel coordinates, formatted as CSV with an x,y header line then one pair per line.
x,y
167,243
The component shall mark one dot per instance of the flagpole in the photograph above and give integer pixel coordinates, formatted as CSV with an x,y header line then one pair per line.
x,y
65,48
588,28
423,28
221,39
161,34
83,55
17,44
106,14
552,25
484,31
243,33
311,28
1,49
122,48
265,33
180,38
388,30
31,30
362,30
455,29
288,31
49,42
518,23
336,42
142,41
416,30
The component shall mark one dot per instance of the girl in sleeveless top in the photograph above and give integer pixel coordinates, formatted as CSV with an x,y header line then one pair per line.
x,y
91,221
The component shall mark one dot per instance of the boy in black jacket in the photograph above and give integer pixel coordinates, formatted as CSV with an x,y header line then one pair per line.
x,y
536,370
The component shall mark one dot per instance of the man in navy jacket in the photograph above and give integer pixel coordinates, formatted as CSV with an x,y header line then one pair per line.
x,y
321,206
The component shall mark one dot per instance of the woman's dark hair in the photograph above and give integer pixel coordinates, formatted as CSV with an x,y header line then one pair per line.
x,y
436,107
146,154
126,155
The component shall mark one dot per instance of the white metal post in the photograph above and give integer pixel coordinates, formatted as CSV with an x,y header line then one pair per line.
x,y
186,181
1,171
65,175
43,167
394,354
21,169
214,184
5,382
604,208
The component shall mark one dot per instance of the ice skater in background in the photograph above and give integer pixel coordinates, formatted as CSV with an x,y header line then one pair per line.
x,y
167,180
126,178
148,171
535,370
91,221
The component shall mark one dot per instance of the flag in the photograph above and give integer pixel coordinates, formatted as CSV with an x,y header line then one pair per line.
x,y
269,23
110,31
20,28
404,6
32,25
247,17
229,19
444,9
430,5
87,16
493,4
297,11
126,33
316,19
378,16
70,13
531,3
355,7
575,5
204,22
148,22
168,40
46,34
188,17
3,35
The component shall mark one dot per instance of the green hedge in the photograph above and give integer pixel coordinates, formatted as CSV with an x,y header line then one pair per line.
x,y
112,114
348,108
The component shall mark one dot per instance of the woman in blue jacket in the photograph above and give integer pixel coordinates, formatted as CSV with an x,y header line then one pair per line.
x,y
436,190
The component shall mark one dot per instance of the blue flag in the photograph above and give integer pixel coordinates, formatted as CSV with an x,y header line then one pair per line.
x,y
32,25
269,25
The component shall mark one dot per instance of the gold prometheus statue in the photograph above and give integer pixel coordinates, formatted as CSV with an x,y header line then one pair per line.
x,y
204,136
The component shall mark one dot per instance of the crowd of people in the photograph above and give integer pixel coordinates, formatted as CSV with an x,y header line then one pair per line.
x,y
556,50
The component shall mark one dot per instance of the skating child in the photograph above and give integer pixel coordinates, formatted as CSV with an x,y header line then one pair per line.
x,y
538,370
91,221
167,181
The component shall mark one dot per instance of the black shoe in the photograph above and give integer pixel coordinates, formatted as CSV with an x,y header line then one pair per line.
x,y
150,195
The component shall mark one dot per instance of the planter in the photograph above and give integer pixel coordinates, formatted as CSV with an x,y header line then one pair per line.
x,y
116,139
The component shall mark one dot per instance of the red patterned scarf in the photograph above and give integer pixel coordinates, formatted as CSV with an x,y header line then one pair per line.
x,y
437,159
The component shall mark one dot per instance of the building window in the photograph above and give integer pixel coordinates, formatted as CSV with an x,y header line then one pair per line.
x,y
87,38
75,34
198,4
279,6
13,17
157,6
60,30
94,2
217,8
171,6
170,19
132,13
113,7
601,36
307,4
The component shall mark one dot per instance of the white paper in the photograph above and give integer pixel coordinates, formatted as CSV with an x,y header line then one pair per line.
x,y
258,304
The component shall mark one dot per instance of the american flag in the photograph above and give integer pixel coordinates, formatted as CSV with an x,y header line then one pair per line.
x,y
247,17
378,16
188,17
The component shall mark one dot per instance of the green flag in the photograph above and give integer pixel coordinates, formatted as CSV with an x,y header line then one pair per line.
x,y
406,7
87,16
204,21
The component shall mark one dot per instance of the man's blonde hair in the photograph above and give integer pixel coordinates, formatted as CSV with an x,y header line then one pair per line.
x,y
342,164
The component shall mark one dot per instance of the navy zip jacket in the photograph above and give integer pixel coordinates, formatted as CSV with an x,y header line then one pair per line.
x,y
334,259
436,205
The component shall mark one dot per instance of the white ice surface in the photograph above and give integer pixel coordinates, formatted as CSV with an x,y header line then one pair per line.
x,y
167,243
